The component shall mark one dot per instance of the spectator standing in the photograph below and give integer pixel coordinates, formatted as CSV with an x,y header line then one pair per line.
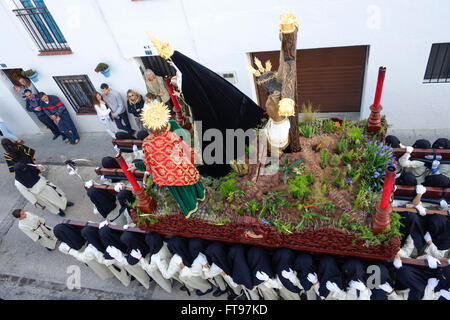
x,y
56,110
6,131
118,112
135,103
104,114
33,106
156,86
25,84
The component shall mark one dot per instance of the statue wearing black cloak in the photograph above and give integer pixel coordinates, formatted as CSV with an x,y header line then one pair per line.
x,y
218,104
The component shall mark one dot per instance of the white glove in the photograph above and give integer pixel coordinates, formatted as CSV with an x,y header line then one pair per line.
x,y
125,227
427,237
409,149
333,287
288,273
118,187
445,294
397,263
95,210
64,248
432,283
116,148
135,148
395,187
102,177
89,184
102,224
136,253
312,277
357,285
444,204
421,210
386,287
435,164
432,262
420,189
202,259
262,276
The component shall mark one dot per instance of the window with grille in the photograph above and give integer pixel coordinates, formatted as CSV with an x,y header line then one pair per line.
x,y
438,67
40,24
78,90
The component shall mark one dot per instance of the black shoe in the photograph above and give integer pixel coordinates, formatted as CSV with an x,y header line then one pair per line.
x,y
242,296
55,136
199,293
219,292
69,204
183,288
49,249
232,296
61,213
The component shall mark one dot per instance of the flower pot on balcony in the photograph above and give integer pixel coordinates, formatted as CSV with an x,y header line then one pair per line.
x,y
106,72
34,77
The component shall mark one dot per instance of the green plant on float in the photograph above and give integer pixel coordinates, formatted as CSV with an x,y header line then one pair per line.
x,y
347,157
328,207
238,209
323,158
306,130
308,112
298,187
341,145
339,181
220,221
282,226
355,134
307,215
327,126
335,172
227,187
272,202
289,169
253,206
335,160
318,196
299,169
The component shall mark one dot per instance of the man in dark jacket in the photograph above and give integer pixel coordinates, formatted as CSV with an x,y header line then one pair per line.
x,y
56,110
33,106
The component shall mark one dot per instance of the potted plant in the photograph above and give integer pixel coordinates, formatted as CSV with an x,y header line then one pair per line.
x,y
103,68
31,74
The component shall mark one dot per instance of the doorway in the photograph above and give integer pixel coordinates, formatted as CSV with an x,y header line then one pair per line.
x,y
12,75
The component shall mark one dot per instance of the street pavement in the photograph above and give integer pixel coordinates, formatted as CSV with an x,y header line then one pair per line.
x,y
29,271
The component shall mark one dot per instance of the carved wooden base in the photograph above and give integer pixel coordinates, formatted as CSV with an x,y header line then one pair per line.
x,y
374,121
248,230
381,219
145,203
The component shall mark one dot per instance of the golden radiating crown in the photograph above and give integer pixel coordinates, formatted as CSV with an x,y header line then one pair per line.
x,y
261,69
286,107
155,115
163,49
288,23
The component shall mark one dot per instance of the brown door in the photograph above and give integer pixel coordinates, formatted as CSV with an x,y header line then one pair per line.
x,y
330,78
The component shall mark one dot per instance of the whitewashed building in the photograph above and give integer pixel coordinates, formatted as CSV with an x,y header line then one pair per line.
x,y
341,43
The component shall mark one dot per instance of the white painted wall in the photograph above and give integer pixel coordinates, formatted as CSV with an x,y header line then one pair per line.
x,y
220,34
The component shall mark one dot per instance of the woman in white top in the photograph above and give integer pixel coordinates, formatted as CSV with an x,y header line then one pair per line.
x,y
103,114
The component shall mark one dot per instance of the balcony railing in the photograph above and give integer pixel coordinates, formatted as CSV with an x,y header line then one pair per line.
x,y
43,29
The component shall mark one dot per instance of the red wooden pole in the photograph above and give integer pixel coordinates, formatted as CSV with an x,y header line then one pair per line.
x,y
123,165
374,121
382,218
379,90
146,204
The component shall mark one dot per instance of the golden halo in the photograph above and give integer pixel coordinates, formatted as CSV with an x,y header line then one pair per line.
x,y
155,115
